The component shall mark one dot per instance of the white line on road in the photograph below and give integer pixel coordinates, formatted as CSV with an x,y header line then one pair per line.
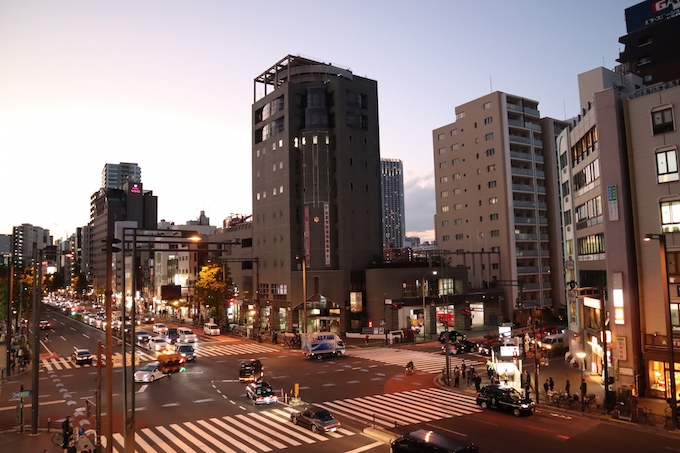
x,y
142,388
73,329
85,336
42,403
365,447
447,430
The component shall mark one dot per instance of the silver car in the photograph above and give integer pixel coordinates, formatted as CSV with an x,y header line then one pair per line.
x,y
158,344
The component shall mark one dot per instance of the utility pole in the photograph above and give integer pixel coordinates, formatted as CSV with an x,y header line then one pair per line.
x,y
35,356
108,293
10,298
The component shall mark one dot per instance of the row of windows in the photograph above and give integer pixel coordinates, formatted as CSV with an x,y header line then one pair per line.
x,y
590,245
276,288
591,209
264,193
588,175
584,146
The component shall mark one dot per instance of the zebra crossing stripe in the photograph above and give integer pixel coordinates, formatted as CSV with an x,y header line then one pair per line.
x,y
264,421
140,442
172,438
230,439
210,438
157,440
270,440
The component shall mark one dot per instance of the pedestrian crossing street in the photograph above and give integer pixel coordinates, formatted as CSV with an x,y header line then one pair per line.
x,y
272,430
427,362
232,349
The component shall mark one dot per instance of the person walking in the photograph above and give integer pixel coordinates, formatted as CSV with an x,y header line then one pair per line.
x,y
584,389
551,384
567,387
456,377
527,383
546,386
478,382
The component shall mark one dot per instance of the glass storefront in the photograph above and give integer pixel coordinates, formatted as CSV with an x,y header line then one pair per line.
x,y
659,382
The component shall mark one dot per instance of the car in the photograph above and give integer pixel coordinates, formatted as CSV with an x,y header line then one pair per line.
x,y
160,328
115,324
424,440
147,318
81,356
187,351
44,325
149,372
260,392
250,370
172,335
505,398
143,336
461,347
186,335
157,343
318,419
128,327
454,335
210,328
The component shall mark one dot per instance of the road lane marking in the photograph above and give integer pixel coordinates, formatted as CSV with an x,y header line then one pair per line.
x,y
142,388
448,430
365,447
85,336
42,403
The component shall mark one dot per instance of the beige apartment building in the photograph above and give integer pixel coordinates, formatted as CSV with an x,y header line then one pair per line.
x,y
497,203
653,141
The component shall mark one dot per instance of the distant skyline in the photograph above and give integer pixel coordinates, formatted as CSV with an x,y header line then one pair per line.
x,y
169,85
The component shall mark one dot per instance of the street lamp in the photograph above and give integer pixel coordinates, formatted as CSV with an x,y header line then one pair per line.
x,y
423,291
581,355
673,401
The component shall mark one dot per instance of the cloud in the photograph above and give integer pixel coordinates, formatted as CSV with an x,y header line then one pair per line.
x,y
419,204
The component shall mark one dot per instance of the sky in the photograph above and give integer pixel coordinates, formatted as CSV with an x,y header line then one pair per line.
x,y
169,85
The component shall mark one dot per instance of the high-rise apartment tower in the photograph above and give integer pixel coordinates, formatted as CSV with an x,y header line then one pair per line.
x,y
392,172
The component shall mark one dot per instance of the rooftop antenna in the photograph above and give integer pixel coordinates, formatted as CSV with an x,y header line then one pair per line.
x,y
490,84
564,106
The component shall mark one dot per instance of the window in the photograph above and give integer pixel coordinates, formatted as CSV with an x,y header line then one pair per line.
x,y
493,200
455,161
458,222
457,191
445,223
258,195
440,137
670,216
442,165
591,245
486,105
488,120
495,233
460,115
455,146
458,206
493,217
459,237
495,249
444,194
444,179
494,266
446,238
492,184
667,165
644,60
442,150
490,152
445,209
662,120
488,136
491,168
454,132
281,189
456,176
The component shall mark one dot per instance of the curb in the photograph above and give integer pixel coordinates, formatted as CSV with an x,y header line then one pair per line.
x,y
380,434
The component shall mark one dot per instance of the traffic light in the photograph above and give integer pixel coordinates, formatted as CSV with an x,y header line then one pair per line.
x,y
370,323
170,363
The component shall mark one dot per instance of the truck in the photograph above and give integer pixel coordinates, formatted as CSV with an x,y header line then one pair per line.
x,y
322,344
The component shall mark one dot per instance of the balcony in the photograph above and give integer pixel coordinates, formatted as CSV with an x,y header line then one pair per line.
x,y
525,220
533,112
524,204
523,188
515,107
538,143
522,171
540,189
526,253
525,237
519,139
527,269
521,155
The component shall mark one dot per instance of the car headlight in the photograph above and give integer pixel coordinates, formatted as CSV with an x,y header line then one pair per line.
x,y
524,406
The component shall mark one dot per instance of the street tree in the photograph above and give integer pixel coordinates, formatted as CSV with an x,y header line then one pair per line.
x,y
213,288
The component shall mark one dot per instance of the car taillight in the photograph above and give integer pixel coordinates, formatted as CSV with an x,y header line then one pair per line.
x,y
478,395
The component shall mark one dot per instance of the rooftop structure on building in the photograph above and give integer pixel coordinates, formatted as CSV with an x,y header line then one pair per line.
x,y
115,175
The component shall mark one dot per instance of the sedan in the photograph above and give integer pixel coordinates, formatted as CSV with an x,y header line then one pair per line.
x,y
160,328
261,392
187,351
506,399
315,418
149,372
44,325
461,347
158,344
143,336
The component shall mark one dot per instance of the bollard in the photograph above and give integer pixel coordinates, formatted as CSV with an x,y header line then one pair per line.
x,y
49,424
396,425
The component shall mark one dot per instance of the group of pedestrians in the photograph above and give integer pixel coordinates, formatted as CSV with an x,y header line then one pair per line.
x,y
469,374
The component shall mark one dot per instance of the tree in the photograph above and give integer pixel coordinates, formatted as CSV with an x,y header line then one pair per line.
x,y
79,284
213,288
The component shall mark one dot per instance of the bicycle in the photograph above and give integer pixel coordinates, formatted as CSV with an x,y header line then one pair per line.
x,y
647,417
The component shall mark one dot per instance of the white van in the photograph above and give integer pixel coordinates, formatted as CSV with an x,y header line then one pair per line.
x,y
551,341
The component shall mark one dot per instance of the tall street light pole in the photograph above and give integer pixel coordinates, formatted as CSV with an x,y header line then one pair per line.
x,y
37,300
423,291
673,400
108,293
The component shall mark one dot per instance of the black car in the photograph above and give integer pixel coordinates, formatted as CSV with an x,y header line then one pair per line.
x,y
424,440
454,335
250,370
187,351
506,399
462,347
260,392
318,419
172,335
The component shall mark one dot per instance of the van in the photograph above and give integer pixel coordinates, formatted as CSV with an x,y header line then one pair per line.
x,y
186,335
554,340
424,441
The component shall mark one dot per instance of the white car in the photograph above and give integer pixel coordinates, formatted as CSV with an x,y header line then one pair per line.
x,y
211,329
160,329
149,372
186,335
158,344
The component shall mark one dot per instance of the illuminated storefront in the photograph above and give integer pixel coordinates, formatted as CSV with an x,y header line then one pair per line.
x,y
658,375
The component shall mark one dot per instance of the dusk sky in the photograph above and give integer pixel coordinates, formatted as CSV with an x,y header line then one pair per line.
x,y
169,85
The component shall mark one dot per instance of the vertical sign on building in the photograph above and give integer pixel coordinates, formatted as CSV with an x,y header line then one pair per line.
x,y
613,203
307,246
327,234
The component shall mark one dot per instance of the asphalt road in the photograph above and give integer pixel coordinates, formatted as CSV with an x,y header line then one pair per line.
x,y
205,408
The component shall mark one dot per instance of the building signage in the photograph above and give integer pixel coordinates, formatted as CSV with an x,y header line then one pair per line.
x,y
327,234
650,12
613,204
620,348
509,351
307,236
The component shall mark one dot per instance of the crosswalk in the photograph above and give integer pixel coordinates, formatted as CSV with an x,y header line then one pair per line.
x,y
232,349
64,363
272,430
427,362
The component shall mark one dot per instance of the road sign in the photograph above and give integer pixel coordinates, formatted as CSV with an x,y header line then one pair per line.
x,y
24,394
